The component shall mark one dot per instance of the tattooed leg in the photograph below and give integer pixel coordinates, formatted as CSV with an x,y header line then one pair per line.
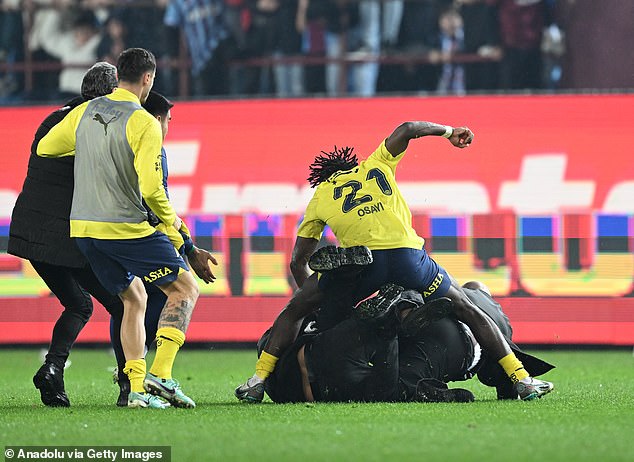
x,y
170,336
182,295
176,314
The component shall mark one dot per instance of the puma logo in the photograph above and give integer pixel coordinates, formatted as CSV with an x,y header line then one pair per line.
x,y
105,124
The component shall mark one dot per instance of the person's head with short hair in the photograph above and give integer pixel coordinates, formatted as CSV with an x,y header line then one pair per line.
x,y
84,26
136,68
100,80
450,22
160,107
324,166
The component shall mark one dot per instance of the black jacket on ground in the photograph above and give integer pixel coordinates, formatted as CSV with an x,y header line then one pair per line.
x,y
489,371
442,352
40,226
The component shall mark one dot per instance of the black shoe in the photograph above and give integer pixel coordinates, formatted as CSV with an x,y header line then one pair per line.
x,y
423,315
381,307
124,389
331,257
435,391
49,379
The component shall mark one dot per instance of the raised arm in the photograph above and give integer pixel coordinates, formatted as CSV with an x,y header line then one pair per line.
x,y
396,143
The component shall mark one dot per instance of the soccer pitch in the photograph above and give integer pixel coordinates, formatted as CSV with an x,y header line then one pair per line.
x,y
588,417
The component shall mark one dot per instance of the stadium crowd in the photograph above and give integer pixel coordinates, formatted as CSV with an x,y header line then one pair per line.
x,y
294,48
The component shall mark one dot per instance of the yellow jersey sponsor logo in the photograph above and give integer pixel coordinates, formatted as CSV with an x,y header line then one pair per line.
x,y
434,285
159,273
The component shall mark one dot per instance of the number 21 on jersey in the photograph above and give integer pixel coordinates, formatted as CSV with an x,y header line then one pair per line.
x,y
355,196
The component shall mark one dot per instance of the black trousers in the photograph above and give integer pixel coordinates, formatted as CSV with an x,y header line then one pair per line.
x,y
443,351
353,362
73,288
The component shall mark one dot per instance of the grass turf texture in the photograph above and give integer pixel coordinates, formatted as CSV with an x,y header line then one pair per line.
x,y
589,416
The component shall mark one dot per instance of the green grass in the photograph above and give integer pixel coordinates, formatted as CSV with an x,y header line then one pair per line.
x,y
589,416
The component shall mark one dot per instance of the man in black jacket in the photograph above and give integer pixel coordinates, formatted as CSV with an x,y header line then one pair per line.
x,y
364,360
40,233
446,351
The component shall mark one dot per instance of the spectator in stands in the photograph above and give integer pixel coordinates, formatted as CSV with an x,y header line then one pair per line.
x,y
276,31
365,42
313,45
481,36
237,22
379,26
450,43
260,39
75,47
521,23
46,82
598,42
291,24
153,35
391,23
340,15
125,25
203,23
417,36
114,40
11,49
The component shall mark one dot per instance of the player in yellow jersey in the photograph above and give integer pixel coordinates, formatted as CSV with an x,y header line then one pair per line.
x,y
363,206
197,258
117,148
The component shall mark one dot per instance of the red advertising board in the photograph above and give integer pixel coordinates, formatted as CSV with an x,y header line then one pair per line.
x,y
548,184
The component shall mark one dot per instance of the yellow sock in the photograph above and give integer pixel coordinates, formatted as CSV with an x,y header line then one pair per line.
x,y
513,367
265,365
168,341
135,370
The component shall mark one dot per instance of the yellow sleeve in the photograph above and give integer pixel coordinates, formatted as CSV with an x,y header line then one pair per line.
x,y
60,140
173,235
384,156
145,138
311,226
